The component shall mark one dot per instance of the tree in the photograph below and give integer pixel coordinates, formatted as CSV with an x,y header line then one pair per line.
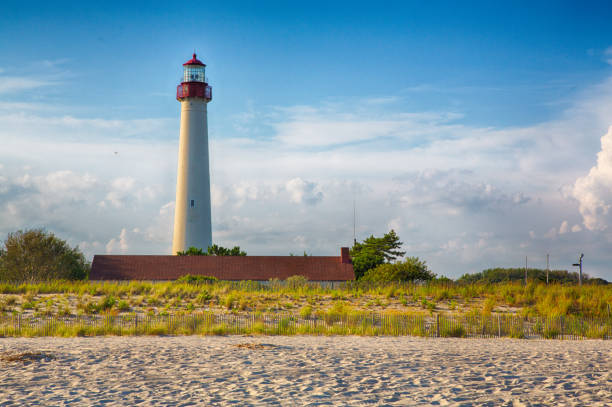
x,y
411,269
36,255
500,274
375,251
213,250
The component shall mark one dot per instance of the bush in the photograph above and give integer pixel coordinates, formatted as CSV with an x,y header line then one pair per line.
x,y
452,332
295,282
306,312
499,274
36,255
411,269
191,279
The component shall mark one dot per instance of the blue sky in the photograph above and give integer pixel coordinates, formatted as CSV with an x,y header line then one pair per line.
x,y
472,128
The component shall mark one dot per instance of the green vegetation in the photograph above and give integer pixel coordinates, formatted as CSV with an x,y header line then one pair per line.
x,y
497,275
339,320
85,297
191,279
296,306
213,250
36,255
374,251
411,269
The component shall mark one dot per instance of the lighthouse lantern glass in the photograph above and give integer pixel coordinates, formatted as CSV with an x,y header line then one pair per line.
x,y
193,73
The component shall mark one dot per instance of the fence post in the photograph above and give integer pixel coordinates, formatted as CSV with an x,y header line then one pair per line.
x,y
499,325
562,323
438,325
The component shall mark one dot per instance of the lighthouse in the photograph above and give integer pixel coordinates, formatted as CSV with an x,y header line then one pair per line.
x,y
192,217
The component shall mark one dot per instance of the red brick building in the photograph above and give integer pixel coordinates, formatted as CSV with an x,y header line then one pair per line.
x,y
255,268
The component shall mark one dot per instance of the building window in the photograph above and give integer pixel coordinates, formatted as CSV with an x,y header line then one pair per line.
x,y
192,203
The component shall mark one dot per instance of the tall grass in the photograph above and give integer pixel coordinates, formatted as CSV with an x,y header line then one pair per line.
x,y
535,299
336,322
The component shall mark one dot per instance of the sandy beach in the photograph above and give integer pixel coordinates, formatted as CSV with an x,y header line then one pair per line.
x,y
304,371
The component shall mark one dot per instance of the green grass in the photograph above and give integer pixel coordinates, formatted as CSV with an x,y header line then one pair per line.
x,y
533,300
337,321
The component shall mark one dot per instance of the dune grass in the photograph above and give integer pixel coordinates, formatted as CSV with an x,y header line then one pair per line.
x,y
65,308
74,298
335,321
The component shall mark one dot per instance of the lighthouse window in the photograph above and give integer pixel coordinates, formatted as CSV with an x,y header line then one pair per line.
x,y
192,203
193,73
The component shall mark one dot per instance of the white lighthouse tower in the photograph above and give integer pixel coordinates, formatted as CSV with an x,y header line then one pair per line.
x,y
192,220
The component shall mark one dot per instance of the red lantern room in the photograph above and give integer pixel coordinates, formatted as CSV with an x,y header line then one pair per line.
x,y
194,81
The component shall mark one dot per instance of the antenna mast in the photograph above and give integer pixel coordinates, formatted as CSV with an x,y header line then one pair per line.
x,y
354,222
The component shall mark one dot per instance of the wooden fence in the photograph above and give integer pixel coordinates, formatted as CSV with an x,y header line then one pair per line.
x,y
436,325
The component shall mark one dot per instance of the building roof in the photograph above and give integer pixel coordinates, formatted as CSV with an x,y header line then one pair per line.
x,y
262,268
194,61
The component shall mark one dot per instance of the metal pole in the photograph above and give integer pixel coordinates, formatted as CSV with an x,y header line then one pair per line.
x,y
579,264
354,222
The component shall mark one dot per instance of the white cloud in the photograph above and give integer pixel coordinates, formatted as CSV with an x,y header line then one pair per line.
x,y
218,196
11,84
118,244
466,196
551,234
594,191
301,191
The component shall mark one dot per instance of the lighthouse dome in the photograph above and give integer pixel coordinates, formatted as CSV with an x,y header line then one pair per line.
x,y
194,70
194,61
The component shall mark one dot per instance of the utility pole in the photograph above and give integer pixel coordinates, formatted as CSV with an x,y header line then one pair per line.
x,y
547,267
579,264
354,223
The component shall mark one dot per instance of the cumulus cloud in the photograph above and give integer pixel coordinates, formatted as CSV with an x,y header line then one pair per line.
x,y
454,190
594,190
118,244
301,191
466,197
120,190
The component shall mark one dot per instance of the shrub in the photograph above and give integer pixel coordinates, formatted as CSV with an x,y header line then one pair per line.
x,y
294,282
35,255
192,279
123,306
455,331
107,303
306,312
411,269
204,297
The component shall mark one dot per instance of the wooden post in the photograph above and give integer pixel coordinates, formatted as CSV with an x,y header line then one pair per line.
x,y
498,325
525,270
547,267
438,325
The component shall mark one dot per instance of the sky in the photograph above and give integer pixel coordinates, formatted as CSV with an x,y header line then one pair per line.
x,y
479,131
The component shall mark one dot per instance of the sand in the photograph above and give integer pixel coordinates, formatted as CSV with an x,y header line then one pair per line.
x,y
303,371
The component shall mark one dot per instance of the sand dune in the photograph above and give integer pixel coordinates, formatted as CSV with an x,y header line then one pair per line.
x,y
304,371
